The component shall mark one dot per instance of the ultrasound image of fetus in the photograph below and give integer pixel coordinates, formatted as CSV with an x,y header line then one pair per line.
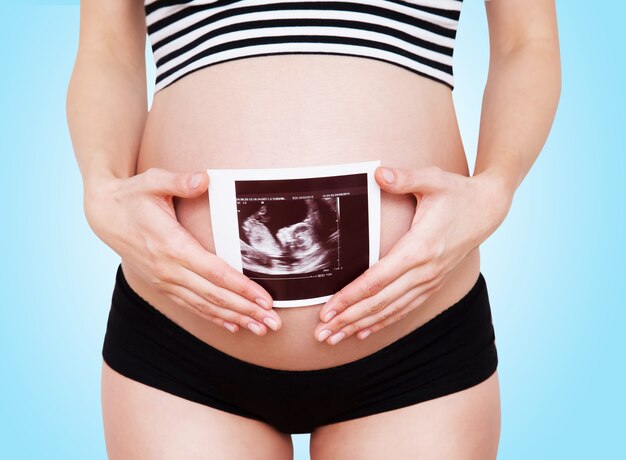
x,y
298,236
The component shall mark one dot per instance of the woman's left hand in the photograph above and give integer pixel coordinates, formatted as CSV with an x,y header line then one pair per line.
x,y
454,215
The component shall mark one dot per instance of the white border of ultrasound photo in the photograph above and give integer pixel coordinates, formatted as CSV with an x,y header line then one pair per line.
x,y
225,225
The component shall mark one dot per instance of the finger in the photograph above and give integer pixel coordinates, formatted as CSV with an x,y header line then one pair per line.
x,y
415,301
219,321
196,258
226,299
185,185
368,306
403,302
387,304
399,260
399,180
204,308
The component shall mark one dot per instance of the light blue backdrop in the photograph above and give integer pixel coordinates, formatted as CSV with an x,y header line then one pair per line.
x,y
554,268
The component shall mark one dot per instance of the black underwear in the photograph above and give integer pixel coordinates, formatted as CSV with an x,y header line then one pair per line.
x,y
453,351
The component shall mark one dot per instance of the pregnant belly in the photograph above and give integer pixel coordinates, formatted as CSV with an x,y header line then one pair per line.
x,y
284,111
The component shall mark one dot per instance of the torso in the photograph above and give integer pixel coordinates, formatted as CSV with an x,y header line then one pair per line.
x,y
295,110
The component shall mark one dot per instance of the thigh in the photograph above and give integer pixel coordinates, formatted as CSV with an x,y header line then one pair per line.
x,y
143,422
460,426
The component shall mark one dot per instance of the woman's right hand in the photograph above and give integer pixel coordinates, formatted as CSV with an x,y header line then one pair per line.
x,y
135,217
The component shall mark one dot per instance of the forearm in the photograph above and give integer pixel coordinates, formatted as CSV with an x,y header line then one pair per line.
x,y
106,113
519,105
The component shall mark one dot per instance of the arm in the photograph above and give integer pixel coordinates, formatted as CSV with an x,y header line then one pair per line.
x,y
106,98
522,91
134,213
455,213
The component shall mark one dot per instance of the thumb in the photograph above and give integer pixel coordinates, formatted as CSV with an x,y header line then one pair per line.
x,y
197,184
398,180
185,185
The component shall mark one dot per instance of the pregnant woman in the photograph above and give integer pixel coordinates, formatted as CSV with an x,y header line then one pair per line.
x,y
401,361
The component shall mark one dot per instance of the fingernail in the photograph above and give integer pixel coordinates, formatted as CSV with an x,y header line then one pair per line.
x,y
330,315
271,323
195,181
388,175
230,326
260,301
337,337
364,334
324,335
254,328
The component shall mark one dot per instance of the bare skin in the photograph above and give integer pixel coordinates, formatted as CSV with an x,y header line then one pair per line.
x,y
145,423
142,422
293,111
199,136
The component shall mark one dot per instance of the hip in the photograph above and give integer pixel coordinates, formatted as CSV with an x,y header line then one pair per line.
x,y
452,352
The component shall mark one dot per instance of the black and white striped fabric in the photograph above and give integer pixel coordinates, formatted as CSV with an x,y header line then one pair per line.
x,y
187,35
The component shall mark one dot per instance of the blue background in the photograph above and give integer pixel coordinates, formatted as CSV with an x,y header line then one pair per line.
x,y
554,268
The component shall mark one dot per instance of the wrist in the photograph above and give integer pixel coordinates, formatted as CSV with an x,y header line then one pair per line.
x,y
497,195
500,184
98,184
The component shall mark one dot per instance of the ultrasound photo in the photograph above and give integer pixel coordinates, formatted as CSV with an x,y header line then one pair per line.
x,y
303,230
301,238
290,236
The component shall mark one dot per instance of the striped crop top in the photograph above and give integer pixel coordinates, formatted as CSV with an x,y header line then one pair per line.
x,y
188,35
